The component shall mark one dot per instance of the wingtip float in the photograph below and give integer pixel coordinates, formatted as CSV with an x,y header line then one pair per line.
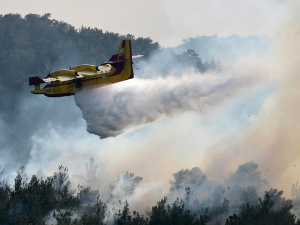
x,y
65,82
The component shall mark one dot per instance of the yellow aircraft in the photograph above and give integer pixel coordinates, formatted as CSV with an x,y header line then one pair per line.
x,y
67,82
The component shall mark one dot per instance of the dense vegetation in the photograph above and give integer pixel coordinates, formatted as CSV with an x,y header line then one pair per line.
x,y
53,201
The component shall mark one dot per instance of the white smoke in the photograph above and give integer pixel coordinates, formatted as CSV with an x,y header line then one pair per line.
x,y
117,108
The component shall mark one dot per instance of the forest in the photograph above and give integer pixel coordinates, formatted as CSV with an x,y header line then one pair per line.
x,y
34,44
53,200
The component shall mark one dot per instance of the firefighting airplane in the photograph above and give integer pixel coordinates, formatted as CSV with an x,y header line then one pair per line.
x,y
67,82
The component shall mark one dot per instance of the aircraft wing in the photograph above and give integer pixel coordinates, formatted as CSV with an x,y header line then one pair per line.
x,y
37,80
61,75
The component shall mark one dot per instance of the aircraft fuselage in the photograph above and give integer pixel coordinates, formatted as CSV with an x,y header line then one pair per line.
x,y
66,82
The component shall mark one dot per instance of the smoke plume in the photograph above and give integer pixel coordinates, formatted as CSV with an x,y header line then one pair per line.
x,y
273,137
115,109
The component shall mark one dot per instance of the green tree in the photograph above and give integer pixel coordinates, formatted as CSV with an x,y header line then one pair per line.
x,y
5,203
125,218
295,191
175,214
30,201
93,214
67,203
272,210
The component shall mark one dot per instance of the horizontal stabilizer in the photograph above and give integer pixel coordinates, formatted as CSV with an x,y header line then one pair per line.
x,y
35,81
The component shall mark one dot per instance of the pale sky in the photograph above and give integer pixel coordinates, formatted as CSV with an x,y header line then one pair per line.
x,y
165,21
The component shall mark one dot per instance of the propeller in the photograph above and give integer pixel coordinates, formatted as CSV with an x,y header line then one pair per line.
x,y
48,75
69,64
137,56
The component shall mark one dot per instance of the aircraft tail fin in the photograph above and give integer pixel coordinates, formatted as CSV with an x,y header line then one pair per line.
x,y
124,55
124,52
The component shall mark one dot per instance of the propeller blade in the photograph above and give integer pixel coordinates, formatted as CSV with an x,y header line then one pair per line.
x,y
137,56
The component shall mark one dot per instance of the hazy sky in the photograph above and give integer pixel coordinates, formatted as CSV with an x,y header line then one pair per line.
x,y
166,21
